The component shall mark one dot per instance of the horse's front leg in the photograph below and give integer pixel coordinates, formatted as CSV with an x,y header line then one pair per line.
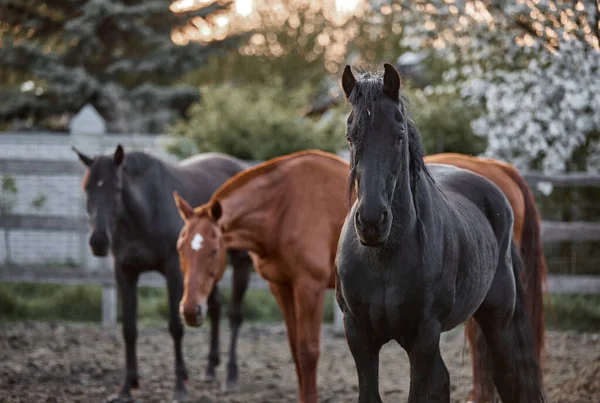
x,y
365,351
242,266
175,289
127,284
429,378
214,311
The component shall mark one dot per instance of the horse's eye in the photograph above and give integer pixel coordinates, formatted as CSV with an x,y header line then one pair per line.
x,y
349,139
213,252
399,139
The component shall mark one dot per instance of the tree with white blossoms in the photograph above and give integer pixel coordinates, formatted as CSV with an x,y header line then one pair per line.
x,y
534,67
545,116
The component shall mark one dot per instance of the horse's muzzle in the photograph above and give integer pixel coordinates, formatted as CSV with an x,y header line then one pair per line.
x,y
373,229
192,317
99,243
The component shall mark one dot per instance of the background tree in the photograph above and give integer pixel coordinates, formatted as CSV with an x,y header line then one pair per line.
x,y
530,66
304,45
117,54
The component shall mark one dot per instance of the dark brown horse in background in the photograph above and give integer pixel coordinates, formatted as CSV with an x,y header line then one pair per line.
x,y
288,213
527,236
132,215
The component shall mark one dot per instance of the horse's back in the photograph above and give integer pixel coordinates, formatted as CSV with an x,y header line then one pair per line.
x,y
212,163
498,172
461,182
476,199
199,176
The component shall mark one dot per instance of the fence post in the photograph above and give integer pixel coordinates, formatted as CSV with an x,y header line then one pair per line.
x,y
109,296
109,306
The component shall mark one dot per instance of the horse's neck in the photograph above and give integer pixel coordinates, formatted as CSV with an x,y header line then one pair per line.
x,y
405,214
138,196
249,215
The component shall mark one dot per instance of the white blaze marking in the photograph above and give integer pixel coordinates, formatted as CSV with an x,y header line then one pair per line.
x,y
369,112
197,241
100,183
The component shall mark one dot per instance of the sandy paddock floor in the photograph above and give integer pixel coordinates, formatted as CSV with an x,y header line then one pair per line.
x,y
66,362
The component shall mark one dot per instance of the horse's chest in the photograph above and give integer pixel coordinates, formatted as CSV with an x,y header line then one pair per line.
x,y
271,270
136,255
388,303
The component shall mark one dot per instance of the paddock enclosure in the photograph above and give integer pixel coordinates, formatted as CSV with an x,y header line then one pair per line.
x,y
67,362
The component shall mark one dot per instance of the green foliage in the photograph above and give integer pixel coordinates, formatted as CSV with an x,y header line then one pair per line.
x,y
445,122
8,194
118,55
9,184
39,201
50,302
254,122
84,303
573,312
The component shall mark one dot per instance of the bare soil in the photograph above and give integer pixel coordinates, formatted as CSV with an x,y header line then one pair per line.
x,y
66,362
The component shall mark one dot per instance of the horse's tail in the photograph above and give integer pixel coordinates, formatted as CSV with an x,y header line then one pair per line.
x,y
532,253
526,364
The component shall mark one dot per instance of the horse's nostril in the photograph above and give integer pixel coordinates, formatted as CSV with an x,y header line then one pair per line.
x,y
384,217
358,221
198,311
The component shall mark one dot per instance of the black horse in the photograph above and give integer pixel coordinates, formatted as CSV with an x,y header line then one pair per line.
x,y
424,248
132,212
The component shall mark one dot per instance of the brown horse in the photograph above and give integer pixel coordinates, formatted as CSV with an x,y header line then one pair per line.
x,y
288,212
527,236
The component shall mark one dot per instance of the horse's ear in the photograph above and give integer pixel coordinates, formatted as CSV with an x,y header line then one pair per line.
x,y
216,210
119,155
348,81
185,210
87,161
391,82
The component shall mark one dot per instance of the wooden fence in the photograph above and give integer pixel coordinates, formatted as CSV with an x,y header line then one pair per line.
x,y
552,232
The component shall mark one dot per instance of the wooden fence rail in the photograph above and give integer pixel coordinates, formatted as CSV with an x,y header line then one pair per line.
x,y
552,231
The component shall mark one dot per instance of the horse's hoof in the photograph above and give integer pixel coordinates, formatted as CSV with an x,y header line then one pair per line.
x,y
231,386
119,399
180,396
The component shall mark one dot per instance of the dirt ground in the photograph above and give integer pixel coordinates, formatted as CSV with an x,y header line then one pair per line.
x,y
65,362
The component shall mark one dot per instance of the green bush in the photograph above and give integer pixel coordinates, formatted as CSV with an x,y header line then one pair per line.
x,y
84,303
445,122
50,302
573,312
254,122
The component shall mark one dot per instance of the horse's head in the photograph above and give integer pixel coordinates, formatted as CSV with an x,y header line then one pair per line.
x,y
378,137
202,257
103,182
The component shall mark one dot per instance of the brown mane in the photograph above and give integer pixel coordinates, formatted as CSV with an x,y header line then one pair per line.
x,y
242,178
